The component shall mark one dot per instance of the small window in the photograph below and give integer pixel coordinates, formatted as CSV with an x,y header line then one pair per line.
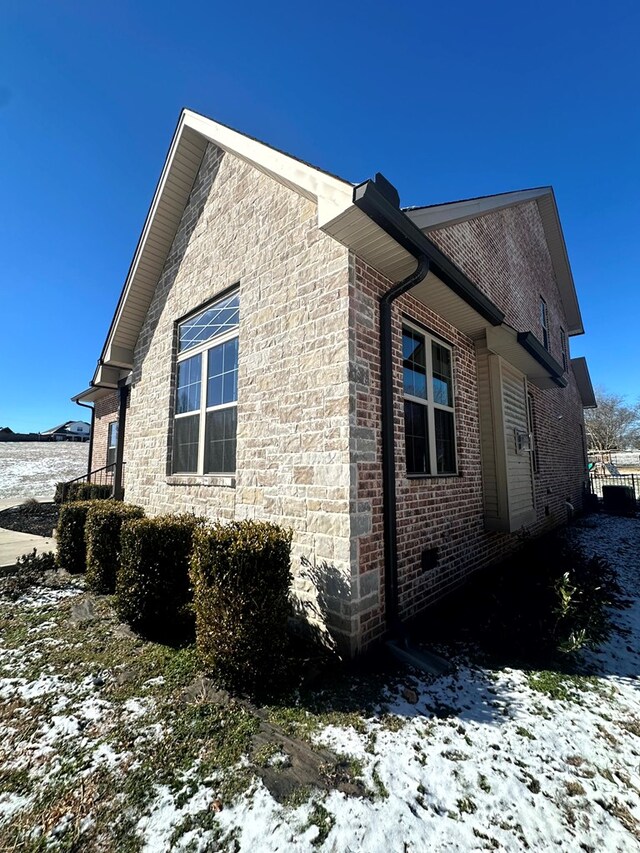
x,y
429,419
112,442
544,322
204,434
563,349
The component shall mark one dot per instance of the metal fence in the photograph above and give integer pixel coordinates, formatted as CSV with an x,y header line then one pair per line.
x,y
632,480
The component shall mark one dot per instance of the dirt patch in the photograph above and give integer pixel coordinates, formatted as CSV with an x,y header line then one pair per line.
x,y
38,519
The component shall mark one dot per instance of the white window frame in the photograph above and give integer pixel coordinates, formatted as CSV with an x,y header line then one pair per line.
x,y
113,447
431,404
202,350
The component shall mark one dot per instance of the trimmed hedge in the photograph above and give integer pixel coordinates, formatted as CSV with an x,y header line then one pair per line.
x,y
153,591
82,492
102,537
241,578
72,550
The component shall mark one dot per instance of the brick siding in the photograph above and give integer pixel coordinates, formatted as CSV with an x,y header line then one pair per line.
x,y
106,411
447,512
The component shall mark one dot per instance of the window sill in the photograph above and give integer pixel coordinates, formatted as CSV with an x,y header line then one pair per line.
x,y
228,482
433,476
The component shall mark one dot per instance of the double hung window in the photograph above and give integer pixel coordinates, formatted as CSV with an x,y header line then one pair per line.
x,y
429,419
204,434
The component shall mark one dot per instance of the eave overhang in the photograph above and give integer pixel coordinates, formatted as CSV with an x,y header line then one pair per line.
x,y
583,381
92,394
384,236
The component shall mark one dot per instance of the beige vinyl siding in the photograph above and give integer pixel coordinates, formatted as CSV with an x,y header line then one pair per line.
x,y
519,465
487,435
507,476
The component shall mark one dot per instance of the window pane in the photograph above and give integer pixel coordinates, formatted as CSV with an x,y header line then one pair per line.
x,y
445,443
416,438
112,441
415,383
221,317
414,365
185,444
222,376
442,384
113,434
188,395
220,441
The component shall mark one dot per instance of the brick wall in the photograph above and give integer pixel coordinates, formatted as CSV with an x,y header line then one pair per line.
x,y
241,226
447,512
106,411
506,255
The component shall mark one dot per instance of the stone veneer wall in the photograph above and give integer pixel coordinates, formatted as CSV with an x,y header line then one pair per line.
x,y
293,462
506,255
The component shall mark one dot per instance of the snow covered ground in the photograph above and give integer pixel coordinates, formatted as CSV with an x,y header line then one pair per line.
x,y
478,759
31,469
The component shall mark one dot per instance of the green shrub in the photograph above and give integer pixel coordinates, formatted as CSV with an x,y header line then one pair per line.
x,y
153,591
241,578
548,600
102,537
66,492
72,549
28,572
582,597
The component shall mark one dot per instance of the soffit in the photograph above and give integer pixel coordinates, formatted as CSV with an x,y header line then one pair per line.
x,y
583,381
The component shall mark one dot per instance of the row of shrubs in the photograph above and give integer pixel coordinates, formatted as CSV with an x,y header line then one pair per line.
x,y
81,492
177,575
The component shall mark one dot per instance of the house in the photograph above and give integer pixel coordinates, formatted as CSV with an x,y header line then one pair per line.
x,y
395,385
68,431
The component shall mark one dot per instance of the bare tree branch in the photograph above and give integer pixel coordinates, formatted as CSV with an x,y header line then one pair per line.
x,y
614,425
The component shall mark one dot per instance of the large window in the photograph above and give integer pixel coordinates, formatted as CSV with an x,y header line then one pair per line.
x,y
204,435
429,421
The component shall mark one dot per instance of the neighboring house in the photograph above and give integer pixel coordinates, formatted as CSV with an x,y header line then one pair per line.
x,y
69,431
394,385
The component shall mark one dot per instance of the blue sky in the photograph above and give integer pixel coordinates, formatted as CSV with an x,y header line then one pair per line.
x,y
447,100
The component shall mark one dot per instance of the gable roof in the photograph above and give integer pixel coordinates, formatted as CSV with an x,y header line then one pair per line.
x,y
341,213
192,135
62,427
432,217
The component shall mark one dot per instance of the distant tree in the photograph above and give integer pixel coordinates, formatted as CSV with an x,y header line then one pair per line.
x,y
614,425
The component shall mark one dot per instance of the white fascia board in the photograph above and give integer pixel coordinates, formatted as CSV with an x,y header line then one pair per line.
x,y
331,194
440,215
444,215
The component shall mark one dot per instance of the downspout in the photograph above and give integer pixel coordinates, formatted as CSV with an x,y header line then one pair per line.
x,y
93,420
380,201
389,497
123,396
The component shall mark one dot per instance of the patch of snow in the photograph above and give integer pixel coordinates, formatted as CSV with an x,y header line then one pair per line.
x,y
163,815
138,707
105,755
12,803
32,468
